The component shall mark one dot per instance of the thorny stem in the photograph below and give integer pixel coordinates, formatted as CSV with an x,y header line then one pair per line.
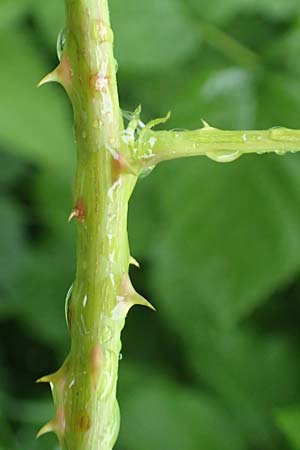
x,y
109,160
219,145
87,416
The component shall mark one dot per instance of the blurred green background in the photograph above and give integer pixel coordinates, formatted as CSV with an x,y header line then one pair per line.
x,y
217,367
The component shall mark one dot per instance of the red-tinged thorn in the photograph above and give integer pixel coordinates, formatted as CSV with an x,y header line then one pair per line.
x,y
78,212
61,74
121,165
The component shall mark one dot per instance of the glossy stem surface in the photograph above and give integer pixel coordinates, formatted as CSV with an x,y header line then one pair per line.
x,y
84,389
219,145
109,160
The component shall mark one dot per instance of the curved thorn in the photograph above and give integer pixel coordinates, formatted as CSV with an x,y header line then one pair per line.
x,y
138,299
48,428
50,77
73,214
206,125
134,262
45,379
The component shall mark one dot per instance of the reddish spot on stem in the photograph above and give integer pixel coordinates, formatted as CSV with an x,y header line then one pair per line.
x,y
96,358
103,32
95,364
99,82
119,165
84,422
65,72
78,212
60,420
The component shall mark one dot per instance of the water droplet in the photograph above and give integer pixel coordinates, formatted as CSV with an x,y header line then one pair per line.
x,y
280,152
224,156
61,42
146,171
120,357
97,123
67,305
278,134
116,66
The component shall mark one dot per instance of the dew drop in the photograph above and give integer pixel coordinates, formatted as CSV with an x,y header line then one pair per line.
x,y
224,156
61,41
120,357
146,171
97,123
280,152
116,66
67,305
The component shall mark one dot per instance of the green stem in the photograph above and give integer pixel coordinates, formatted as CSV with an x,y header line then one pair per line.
x,y
84,389
109,160
219,145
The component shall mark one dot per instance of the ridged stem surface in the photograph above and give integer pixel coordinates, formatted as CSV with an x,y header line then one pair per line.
x,y
109,160
84,389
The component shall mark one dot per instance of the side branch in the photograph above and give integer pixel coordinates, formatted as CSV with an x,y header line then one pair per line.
x,y
219,145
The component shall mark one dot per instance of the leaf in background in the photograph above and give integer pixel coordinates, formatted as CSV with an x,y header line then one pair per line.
x,y
230,236
12,244
152,36
11,11
221,11
161,415
253,374
53,198
51,19
284,52
223,97
32,122
289,422
11,169
277,103
39,298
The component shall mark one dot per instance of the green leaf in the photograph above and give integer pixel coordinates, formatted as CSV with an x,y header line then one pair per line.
x,y
289,422
221,11
253,374
12,246
224,97
39,297
11,11
32,122
229,237
158,414
51,19
11,170
151,36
